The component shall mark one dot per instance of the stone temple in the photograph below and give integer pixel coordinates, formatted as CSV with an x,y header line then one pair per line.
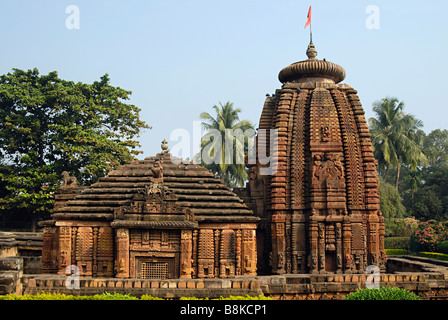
x,y
152,219
318,213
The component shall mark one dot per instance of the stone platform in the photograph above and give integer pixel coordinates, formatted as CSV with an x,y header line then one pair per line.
x,y
426,277
423,276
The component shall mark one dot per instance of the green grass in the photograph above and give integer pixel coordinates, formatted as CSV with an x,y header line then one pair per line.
x,y
434,255
392,252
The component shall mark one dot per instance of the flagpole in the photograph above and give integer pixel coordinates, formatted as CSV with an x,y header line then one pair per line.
x,y
311,34
308,23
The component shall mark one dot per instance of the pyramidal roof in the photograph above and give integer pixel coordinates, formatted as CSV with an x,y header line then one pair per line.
x,y
190,188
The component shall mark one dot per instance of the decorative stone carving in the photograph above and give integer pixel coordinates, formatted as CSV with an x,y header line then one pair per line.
x,y
157,171
328,171
68,181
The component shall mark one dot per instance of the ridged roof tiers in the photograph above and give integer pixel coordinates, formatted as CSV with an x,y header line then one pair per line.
x,y
193,187
312,70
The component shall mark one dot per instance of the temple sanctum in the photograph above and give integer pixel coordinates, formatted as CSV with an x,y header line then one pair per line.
x,y
319,211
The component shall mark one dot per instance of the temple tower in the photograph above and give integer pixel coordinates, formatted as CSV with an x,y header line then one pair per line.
x,y
320,210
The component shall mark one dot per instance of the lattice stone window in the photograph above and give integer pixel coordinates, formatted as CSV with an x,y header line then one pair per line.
x,y
155,270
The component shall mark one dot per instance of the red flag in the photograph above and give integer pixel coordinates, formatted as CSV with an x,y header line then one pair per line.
x,y
308,22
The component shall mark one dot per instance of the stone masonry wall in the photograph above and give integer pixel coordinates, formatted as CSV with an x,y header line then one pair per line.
x,y
11,273
284,287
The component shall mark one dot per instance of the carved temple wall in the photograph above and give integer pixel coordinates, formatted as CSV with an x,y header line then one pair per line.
x,y
98,250
321,213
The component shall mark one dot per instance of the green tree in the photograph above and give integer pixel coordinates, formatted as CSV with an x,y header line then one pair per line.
x,y
49,125
221,128
396,137
429,199
435,147
390,201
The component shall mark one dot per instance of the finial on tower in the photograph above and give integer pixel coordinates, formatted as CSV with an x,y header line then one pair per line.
x,y
311,51
165,147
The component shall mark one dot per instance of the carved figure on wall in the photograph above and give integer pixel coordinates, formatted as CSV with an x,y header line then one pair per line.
x,y
348,263
299,261
328,171
316,166
280,260
338,165
157,171
247,263
120,266
313,265
325,133
189,215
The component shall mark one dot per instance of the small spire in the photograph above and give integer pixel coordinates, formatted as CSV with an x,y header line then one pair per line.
x,y
311,51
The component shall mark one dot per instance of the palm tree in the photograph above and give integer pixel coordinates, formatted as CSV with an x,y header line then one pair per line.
x,y
396,137
228,165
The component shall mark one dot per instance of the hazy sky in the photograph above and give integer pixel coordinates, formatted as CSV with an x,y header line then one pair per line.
x,y
180,57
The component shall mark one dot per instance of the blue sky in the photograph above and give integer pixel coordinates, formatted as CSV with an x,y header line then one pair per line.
x,y
180,57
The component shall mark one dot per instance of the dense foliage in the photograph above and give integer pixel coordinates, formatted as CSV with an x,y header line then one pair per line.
x,y
396,137
390,201
49,125
401,227
220,128
411,161
383,293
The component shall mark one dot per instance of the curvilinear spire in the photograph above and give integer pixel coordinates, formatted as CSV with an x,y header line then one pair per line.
x,y
320,211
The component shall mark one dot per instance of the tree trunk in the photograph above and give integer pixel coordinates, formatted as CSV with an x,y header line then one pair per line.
x,y
398,174
386,173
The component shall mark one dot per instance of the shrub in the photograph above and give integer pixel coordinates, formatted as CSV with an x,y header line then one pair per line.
x,y
40,296
443,247
383,293
148,297
113,296
428,236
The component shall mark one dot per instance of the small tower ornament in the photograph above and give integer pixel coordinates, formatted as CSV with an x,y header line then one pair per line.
x,y
164,146
311,51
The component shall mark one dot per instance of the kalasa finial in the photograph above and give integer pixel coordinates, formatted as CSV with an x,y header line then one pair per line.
x,y
165,146
311,51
